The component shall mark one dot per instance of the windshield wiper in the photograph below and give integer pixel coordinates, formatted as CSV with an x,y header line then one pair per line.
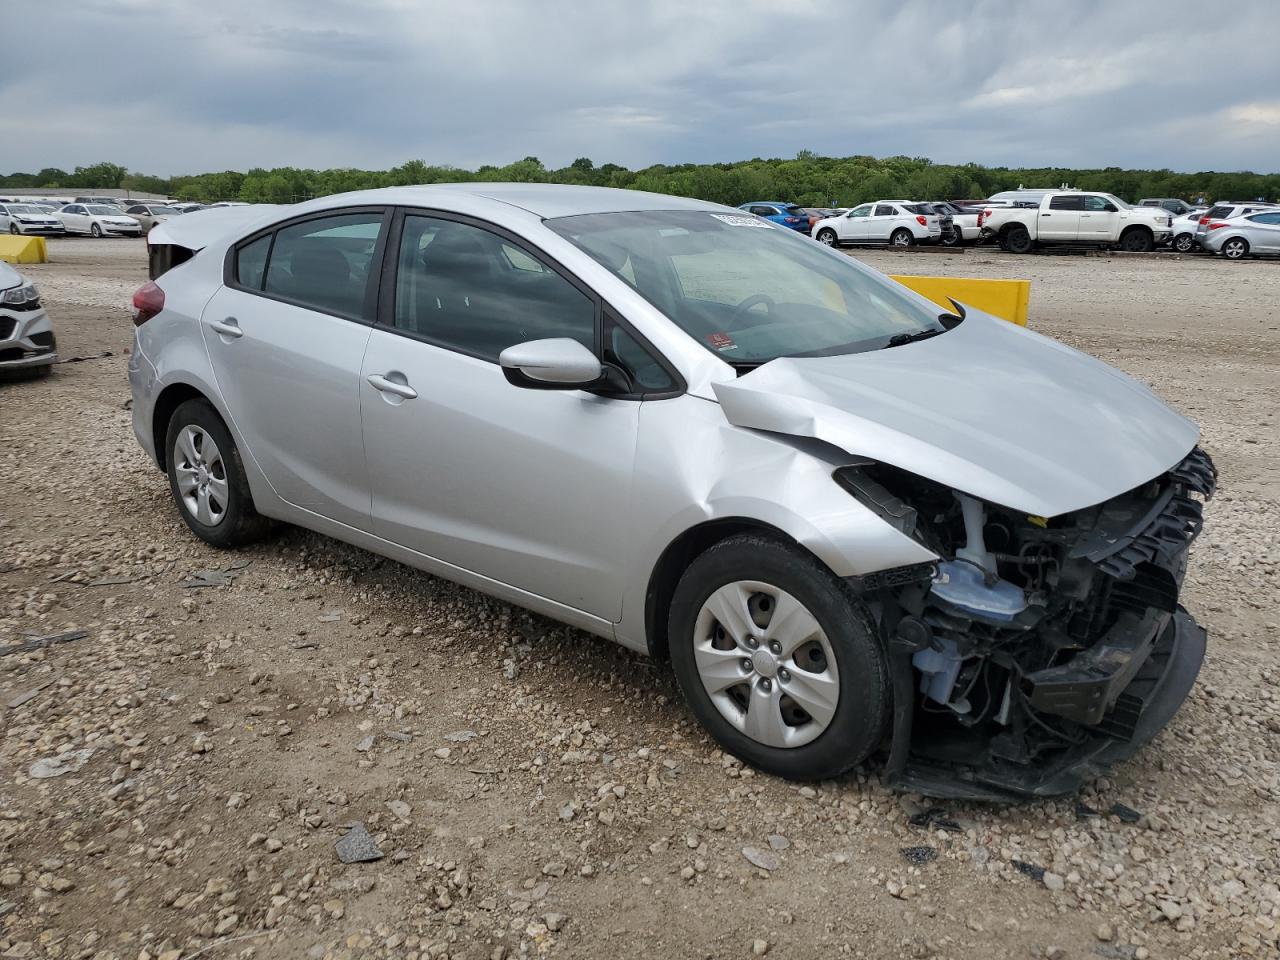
x,y
898,339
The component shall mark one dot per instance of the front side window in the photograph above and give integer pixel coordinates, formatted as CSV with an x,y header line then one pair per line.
x,y
325,263
468,289
1095,204
859,212
749,292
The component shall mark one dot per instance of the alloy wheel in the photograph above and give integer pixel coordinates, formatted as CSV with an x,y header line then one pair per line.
x,y
201,475
1184,243
827,237
1234,249
766,664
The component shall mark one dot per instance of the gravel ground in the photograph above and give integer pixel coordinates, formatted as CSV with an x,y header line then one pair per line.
x,y
173,784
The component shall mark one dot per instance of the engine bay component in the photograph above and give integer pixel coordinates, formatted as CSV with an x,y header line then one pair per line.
x,y
1043,649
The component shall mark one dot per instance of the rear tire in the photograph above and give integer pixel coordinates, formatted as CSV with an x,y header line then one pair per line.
x,y
1237,248
1018,240
952,239
95,231
1184,243
1137,240
823,692
902,238
827,237
207,478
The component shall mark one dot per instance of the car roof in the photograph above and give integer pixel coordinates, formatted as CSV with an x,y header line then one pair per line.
x,y
546,200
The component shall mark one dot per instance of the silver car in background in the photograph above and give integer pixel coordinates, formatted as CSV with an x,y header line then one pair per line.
x,y
1254,234
851,520
27,343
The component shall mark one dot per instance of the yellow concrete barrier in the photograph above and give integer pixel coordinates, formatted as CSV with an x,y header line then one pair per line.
x,y
19,249
1007,299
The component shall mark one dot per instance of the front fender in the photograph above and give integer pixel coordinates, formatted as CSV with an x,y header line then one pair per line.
x,y
694,467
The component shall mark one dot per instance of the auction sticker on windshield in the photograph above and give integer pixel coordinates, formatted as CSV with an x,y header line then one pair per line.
x,y
721,341
734,221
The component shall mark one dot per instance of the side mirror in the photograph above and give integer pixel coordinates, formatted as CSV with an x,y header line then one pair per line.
x,y
556,364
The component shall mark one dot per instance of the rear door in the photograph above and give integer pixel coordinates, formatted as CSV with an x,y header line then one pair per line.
x,y
286,334
1099,220
1060,220
880,224
1264,232
75,218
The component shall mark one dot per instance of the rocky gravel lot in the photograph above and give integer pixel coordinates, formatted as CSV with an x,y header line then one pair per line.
x,y
188,776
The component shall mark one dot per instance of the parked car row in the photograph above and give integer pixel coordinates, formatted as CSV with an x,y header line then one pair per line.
x,y
1025,219
92,216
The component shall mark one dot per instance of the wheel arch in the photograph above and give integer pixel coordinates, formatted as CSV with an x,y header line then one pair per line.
x,y
675,559
1137,226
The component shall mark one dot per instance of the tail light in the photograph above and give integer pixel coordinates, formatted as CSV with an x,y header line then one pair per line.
x,y
982,215
1217,224
922,221
148,301
790,219
1203,221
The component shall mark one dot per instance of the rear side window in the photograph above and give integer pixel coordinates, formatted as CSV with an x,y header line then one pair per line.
x,y
325,263
1066,203
251,262
884,210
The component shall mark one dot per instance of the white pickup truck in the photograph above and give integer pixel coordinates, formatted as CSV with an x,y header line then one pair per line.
x,y
1074,217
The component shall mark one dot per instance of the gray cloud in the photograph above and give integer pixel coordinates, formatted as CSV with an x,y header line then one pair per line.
x,y
174,86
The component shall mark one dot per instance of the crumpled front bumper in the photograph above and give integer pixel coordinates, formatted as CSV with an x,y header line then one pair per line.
x,y
1155,691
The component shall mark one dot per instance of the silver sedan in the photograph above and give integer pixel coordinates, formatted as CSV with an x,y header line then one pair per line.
x,y
1253,234
849,518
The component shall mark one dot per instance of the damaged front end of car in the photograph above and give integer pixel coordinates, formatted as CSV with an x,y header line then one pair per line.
x,y
1037,651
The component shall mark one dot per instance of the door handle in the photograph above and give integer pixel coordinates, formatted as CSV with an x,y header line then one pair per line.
x,y
384,385
1046,214
229,327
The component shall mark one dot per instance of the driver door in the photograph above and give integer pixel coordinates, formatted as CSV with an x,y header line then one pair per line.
x,y
1099,220
852,227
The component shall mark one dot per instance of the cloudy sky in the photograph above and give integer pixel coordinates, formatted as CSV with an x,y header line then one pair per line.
x,y
175,86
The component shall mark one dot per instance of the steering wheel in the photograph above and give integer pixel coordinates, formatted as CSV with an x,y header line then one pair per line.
x,y
752,301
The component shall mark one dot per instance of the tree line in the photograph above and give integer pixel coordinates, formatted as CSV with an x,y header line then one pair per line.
x,y
807,179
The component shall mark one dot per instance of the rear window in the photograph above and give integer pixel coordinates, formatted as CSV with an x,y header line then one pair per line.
x,y
1219,212
918,208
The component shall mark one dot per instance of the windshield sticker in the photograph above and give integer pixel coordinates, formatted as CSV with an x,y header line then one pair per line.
x,y
749,221
721,341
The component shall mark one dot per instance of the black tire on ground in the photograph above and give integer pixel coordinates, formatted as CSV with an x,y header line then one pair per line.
x,y
827,237
95,230
13,228
241,523
1018,240
902,238
1237,248
1184,243
862,709
1137,240
953,239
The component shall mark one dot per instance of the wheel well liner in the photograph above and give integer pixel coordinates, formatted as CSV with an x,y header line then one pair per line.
x,y
675,559
172,397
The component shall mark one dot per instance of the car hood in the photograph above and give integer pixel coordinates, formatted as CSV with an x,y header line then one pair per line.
x,y
989,408
9,277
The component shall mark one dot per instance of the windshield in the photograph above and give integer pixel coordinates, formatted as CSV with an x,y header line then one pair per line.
x,y
1118,202
23,208
747,290
164,211
103,211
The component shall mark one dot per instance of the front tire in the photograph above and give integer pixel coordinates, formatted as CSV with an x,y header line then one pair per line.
x,y
15,230
207,478
779,659
1018,240
902,238
828,238
1237,248
1137,240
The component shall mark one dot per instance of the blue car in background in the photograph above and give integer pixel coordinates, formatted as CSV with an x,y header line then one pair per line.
x,y
783,214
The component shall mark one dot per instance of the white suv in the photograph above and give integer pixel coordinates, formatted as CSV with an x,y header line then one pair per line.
x,y
899,223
